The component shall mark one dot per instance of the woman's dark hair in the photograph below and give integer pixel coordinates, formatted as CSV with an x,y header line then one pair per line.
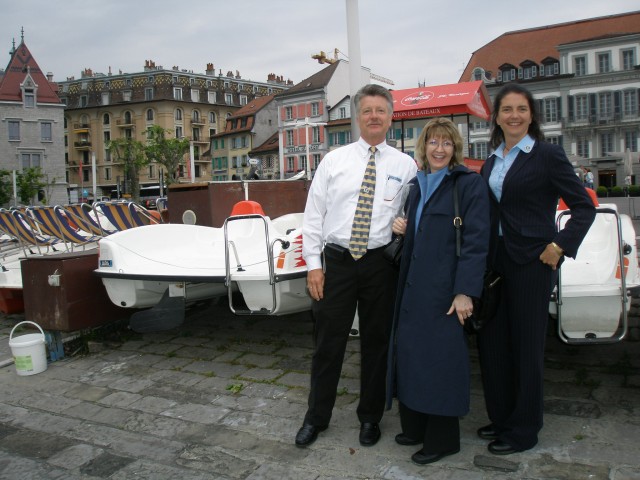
x,y
497,135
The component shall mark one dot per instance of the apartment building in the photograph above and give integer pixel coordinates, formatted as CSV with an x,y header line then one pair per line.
x,y
585,76
102,107
247,128
31,124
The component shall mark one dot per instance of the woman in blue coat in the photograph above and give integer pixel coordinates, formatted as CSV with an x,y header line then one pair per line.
x,y
429,362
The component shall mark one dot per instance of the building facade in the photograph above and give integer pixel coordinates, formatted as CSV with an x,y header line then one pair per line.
x,y
585,77
103,107
247,128
31,125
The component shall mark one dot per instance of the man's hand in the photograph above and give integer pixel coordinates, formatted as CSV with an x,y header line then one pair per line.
x,y
315,283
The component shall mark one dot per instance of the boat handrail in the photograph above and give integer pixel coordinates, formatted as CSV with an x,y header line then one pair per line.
x,y
624,294
227,261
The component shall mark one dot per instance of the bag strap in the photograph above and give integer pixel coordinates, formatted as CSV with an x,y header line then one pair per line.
x,y
457,219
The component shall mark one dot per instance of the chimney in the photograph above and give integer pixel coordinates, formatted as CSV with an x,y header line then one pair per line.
x,y
50,76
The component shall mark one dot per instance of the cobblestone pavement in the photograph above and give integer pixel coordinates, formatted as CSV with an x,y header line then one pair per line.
x,y
222,396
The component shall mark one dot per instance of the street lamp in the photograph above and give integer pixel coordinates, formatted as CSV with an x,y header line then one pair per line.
x,y
297,123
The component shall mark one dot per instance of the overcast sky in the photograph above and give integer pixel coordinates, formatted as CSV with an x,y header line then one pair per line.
x,y
407,41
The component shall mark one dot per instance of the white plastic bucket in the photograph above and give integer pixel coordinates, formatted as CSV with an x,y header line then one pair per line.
x,y
29,352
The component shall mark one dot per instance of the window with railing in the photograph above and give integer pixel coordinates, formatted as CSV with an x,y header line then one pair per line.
x,y
580,66
606,143
315,109
288,113
582,146
605,105
290,164
630,103
628,59
289,138
550,110
582,108
631,140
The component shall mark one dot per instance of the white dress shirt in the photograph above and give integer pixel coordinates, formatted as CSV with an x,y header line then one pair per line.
x,y
333,196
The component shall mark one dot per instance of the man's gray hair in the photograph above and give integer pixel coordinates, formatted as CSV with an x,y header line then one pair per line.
x,y
372,90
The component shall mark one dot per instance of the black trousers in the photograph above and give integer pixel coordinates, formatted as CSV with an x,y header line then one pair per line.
x,y
439,433
368,284
511,350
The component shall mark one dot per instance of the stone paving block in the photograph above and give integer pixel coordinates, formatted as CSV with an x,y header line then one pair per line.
x,y
184,379
156,425
296,353
144,470
261,424
159,348
202,367
227,370
49,402
10,413
151,404
626,473
13,467
46,422
281,471
120,399
75,456
265,390
572,408
172,363
262,374
32,444
215,462
547,467
293,379
95,413
6,430
87,392
105,465
258,360
128,444
198,353
207,414
134,345
131,383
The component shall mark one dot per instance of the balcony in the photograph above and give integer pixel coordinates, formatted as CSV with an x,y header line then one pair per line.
x,y
81,127
197,121
200,140
126,123
82,145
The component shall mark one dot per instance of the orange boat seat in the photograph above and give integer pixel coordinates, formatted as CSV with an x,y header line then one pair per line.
x,y
592,195
247,207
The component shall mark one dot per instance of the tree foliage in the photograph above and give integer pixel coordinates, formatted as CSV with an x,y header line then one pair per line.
x,y
29,182
168,152
133,156
6,187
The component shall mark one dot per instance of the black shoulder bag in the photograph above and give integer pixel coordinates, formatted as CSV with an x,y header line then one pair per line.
x,y
485,307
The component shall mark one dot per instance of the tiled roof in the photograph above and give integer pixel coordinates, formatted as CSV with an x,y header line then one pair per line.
x,y
538,43
252,107
314,82
271,144
21,63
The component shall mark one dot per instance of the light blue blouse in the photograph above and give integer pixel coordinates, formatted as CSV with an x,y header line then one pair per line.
x,y
428,183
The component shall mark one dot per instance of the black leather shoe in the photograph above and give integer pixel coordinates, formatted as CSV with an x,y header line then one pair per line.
x,y
422,458
498,447
308,434
402,439
369,434
488,432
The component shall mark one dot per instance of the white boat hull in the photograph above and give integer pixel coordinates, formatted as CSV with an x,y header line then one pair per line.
x,y
591,288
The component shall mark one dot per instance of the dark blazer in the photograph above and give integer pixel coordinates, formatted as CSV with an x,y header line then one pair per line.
x,y
530,193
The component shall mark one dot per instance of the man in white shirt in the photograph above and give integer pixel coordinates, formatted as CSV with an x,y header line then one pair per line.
x,y
336,281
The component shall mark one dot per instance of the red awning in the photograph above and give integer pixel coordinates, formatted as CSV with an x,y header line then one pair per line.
x,y
442,100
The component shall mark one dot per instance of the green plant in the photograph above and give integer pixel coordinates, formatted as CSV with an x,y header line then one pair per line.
x,y
634,190
602,191
617,192
235,387
30,183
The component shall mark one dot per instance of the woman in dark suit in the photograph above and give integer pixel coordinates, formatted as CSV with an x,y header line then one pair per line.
x,y
429,361
526,177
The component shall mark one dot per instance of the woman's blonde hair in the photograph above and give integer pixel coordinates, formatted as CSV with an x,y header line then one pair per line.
x,y
439,128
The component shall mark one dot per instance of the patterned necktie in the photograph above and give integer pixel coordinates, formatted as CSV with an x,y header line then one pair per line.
x,y
362,219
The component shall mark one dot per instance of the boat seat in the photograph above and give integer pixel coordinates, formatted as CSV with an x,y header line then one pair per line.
x,y
592,195
247,207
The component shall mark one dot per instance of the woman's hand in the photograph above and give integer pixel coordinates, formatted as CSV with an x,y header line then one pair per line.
x,y
399,226
463,306
551,255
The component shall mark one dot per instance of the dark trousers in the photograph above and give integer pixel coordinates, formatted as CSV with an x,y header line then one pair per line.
x,y
439,433
368,284
511,350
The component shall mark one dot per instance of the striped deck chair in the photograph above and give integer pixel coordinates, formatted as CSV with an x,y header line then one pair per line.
x,y
118,213
14,223
141,216
87,219
54,221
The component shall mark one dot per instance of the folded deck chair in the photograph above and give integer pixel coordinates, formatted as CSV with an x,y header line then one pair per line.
x,y
88,220
54,221
117,213
14,223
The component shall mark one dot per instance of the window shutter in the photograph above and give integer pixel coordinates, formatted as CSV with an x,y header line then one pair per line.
x,y
559,107
571,104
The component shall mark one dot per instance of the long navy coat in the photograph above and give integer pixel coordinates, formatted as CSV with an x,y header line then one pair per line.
x,y
428,356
